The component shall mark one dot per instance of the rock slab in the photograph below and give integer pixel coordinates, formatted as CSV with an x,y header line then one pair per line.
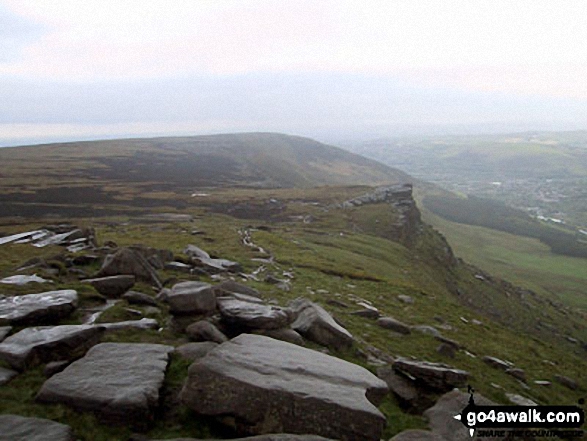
x,y
435,376
314,323
270,386
18,428
191,298
120,382
42,344
254,315
37,308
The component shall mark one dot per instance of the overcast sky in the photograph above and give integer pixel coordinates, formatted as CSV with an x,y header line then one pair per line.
x,y
73,69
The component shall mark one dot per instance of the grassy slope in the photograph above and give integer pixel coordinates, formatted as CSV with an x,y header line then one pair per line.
x,y
331,256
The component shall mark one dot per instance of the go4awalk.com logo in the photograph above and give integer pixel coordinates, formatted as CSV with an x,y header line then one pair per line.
x,y
542,420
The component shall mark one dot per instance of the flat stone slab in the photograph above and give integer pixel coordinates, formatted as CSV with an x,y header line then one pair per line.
x,y
254,315
315,324
432,375
191,298
144,323
42,344
270,386
120,382
18,428
21,279
45,307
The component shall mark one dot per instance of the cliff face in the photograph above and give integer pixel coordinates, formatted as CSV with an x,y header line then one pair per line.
x,y
407,222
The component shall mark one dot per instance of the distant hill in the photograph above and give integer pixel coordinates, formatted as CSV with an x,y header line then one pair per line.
x,y
248,159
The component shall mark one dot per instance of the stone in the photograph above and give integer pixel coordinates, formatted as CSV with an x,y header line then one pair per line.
x,y
44,308
178,266
520,400
195,351
516,373
448,341
112,286
85,259
405,299
542,382
496,363
446,350
42,344
259,381
4,331
417,435
254,315
18,428
205,331
315,324
138,298
6,375
203,259
144,324
410,397
426,329
119,382
567,382
367,313
55,367
129,262
230,286
284,334
394,325
440,416
20,279
191,298
435,376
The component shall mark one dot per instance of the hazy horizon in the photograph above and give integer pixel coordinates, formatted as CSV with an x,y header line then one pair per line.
x,y
333,71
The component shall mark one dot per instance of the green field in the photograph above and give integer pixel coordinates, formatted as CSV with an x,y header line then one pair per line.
x,y
523,261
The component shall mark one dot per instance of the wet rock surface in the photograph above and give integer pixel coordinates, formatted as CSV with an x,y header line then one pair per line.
x,y
43,308
257,380
120,382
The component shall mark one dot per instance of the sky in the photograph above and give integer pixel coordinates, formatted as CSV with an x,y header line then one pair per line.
x,y
332,70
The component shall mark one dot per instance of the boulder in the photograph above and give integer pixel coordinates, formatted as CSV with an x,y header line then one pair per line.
x,y
202,258
138,298
254,315
435,376
112,286
55,367
315,324
119,382
446,350
284,334
230,287
205,331
129,262
270,386
567,382
46,307
441,416
496,363
394,325
518,373
18,428
6,375
369,313
191,298
417,435
195,351
410,397
4,331
427,329
42,344
405,299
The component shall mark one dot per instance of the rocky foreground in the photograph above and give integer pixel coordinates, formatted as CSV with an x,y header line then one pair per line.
x,y
250,368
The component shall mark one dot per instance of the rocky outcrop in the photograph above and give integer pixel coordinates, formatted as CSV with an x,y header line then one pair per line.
x,y
315,324
18,428
119,382
269,386
434,376
33,346
47,307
